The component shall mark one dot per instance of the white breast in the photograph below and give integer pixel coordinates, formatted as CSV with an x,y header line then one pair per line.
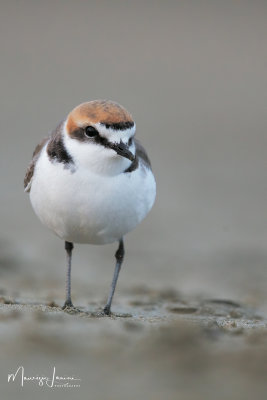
x,y
84,207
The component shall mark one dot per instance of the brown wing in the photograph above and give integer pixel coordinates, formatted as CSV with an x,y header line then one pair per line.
x,y
30,169
141,153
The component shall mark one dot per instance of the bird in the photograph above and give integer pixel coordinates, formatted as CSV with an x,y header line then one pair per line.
x,y
90,181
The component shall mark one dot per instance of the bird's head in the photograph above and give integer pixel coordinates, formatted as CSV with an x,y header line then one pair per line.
x,y
99,135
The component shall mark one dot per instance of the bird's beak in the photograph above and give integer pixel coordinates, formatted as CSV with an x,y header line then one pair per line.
x,y
123,150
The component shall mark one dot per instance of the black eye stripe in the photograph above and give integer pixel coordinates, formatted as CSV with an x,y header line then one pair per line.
x,y
80,135
101,140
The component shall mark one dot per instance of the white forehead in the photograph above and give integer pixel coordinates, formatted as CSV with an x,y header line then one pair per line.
x,y
115,135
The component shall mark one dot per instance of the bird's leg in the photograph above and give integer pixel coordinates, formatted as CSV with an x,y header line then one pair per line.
x,y
68,302
119,259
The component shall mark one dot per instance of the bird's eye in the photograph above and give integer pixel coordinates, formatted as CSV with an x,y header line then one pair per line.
x,y
90,131
130,141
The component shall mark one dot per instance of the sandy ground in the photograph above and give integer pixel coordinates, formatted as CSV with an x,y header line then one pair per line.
x,y
191,304
157,344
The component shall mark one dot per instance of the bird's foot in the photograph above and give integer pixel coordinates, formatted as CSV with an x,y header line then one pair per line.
x,y
106,310
67,304
70,309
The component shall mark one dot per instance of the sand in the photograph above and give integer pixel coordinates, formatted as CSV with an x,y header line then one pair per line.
x,y
156,344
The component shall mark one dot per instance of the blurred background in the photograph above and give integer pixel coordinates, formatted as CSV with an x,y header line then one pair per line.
x,y
193,75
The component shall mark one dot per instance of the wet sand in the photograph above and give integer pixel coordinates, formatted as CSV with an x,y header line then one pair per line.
x,y
157,344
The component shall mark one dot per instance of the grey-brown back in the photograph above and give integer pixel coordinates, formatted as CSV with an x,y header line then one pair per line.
x,y
141,153
30,169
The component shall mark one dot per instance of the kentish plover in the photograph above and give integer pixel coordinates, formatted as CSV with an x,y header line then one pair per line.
x,y
90,181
